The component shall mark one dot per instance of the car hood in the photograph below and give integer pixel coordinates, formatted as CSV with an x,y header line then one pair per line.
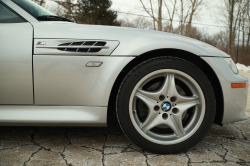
x,y
138,40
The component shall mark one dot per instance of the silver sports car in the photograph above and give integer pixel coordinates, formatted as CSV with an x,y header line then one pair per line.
x,y
165,89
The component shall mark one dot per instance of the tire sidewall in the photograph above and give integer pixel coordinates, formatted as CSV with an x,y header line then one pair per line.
x,y
141,71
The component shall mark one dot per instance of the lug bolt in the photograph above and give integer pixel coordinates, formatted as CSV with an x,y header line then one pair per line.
x,y
162,97
164,116
175,110
173,99
156,108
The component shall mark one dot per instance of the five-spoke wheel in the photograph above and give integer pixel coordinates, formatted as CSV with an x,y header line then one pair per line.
x,y
166,105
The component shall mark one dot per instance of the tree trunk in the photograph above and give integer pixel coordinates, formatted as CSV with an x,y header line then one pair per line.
x,y
160,16
152,14
234,28
181,24
172,28
171,15
243,36
191,15
189,22
230,28
248,37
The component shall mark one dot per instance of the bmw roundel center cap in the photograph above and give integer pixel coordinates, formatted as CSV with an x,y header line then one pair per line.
x,y
165,106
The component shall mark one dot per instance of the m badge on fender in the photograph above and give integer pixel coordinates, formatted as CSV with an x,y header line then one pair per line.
x,y
41,43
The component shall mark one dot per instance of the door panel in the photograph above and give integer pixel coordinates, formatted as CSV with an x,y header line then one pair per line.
x,y
65,80
16,86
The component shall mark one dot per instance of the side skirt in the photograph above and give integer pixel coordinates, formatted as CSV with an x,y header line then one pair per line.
x,y
53,116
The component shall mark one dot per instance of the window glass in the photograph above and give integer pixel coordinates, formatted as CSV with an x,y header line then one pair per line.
x,y
32,8
7,16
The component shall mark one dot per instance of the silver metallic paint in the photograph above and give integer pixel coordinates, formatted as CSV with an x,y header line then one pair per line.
x,y
235,100
56,71
64,80
53,116
16,86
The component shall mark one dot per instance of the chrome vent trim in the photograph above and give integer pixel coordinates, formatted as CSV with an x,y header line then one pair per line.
x,y
104,47
85,46
74,47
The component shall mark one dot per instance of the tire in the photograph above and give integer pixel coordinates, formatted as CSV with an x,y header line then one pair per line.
x,y
166,105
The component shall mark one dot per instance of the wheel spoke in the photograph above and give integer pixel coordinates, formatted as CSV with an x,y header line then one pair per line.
x,y
184,99
175,123
166,85
169,86
151,112
172,91
151,95
192,101
148,101
155,120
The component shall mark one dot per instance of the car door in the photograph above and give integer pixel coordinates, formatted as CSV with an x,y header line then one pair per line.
x,y
16,38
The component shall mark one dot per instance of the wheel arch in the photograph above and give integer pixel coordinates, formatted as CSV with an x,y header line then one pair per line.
x,y
190,57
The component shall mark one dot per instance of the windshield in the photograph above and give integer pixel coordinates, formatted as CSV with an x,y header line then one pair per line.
x,y
32,8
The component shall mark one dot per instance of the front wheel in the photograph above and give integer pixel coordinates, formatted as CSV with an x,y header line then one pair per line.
x,y
166,105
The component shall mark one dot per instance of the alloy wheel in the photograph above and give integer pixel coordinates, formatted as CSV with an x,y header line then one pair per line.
x,y
173,110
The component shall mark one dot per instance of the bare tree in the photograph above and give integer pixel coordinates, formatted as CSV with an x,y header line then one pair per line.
x,y
229,9
139,22
40,2
160,15
152,10
56,9
184,9
230,16
240,14
245,20
230,26
151,14
248,35
69,8
188,9
195,4
171,13
183,15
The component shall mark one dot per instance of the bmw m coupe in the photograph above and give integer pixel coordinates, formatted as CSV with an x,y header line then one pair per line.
x,y
165,89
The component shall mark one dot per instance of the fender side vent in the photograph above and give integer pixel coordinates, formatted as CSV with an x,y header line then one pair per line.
x,y
64,44
84,46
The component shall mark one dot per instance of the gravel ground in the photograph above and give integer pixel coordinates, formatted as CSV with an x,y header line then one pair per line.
x,y
72,146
